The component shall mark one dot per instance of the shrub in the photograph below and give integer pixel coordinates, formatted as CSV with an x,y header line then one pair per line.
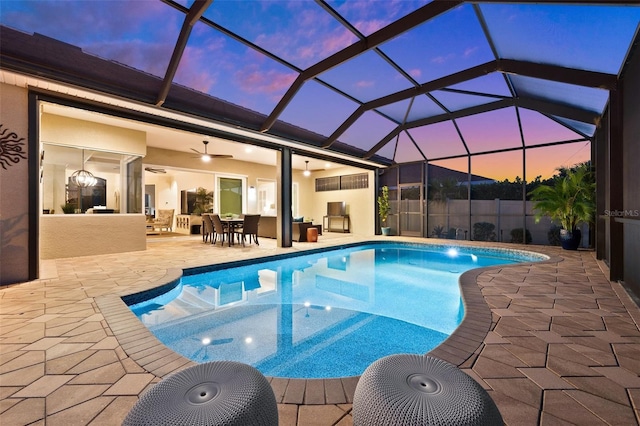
x,y
451,234
554,235
516,236
438,231
484,231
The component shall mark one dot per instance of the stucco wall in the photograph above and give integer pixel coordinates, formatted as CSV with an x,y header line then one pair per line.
x,y
87,134
14,185
360,202
90,234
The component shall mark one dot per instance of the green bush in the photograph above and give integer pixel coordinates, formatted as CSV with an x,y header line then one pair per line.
x,y
516,236
438,231
484,231
554,235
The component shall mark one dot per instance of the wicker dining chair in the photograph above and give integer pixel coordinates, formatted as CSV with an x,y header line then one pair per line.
x,y
250,228
207,227
218,229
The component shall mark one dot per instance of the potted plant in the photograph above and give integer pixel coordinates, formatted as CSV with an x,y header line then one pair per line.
x,y
68,208
203,201
569,201
384,209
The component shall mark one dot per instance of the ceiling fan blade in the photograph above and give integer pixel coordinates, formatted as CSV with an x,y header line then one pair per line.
x,y
196,151
220,155
155,170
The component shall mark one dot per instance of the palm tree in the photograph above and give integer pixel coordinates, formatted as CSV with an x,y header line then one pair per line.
x,y
203,201
569,201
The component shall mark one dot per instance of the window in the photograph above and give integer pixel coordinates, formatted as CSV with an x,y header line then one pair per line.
x,y
117,187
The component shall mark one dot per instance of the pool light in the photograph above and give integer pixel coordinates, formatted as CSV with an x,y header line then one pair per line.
x,y
206,341
248,340
452,252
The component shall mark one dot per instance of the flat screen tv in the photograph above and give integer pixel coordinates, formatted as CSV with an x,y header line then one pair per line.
x,y
337,208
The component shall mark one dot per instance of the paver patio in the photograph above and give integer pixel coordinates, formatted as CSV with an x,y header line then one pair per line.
x,y
553,342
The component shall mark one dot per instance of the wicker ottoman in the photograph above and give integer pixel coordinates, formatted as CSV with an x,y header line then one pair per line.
x,y
415,390
214,393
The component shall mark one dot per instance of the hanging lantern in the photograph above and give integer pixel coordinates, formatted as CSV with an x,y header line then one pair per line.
x,y
82,177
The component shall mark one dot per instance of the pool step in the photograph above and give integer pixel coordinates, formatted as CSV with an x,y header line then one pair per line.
x,y
193,302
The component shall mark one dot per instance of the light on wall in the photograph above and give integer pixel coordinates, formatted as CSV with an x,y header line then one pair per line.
x,y
306,168
82,177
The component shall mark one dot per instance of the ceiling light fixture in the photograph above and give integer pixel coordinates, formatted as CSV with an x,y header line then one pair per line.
x,y
82,177
205,156
306,168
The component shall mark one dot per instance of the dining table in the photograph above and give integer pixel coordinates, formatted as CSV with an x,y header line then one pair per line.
x,y
232,223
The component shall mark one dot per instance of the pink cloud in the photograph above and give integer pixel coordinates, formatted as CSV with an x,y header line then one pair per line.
x,y
371,16
196,69
253,80
337,42
415,72
442,59
470,51
305,45
368,27
364,84
127,32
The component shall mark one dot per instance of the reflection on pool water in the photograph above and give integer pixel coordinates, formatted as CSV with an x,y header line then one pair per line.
x,y
321,315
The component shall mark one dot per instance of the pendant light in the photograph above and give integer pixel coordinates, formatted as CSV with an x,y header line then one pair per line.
x,y
82,177
306,168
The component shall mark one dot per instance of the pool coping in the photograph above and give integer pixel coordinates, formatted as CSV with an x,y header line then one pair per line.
x,y
152,355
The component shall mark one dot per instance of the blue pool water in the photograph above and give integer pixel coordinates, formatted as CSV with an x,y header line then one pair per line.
x,y
320,315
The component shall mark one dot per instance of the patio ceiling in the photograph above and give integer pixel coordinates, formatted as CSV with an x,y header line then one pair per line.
x,y
387,81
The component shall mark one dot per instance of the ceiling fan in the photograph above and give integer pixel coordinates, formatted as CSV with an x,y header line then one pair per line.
x,y
155,170
205,156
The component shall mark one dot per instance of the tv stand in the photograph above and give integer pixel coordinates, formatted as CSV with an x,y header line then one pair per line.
x,y
330,223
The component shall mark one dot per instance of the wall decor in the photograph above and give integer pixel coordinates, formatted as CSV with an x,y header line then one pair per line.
x,y
11,148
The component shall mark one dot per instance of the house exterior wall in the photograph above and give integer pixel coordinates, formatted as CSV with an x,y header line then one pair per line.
x,y
14,185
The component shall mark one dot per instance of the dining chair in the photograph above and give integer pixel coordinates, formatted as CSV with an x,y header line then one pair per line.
x,y
250,228
219,229
207,227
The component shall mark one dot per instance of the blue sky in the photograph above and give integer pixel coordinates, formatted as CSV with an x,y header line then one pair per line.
x,y
142,34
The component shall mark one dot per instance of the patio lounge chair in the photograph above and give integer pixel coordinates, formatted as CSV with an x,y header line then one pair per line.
x,y
164,220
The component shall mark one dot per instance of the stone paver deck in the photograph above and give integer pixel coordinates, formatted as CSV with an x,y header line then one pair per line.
x,y
554,343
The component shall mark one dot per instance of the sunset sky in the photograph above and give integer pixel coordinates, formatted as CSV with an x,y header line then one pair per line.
x,y
297,34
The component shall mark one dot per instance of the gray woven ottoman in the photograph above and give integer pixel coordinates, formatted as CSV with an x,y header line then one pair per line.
x,y
214,393
416,390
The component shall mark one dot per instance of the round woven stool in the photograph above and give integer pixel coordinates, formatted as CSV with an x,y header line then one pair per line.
x,y
418,390
214,393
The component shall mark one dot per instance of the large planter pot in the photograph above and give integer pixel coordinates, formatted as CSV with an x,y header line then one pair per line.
x,y
570,240
385,230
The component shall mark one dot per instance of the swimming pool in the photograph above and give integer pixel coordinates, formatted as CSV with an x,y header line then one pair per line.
x,y
318,315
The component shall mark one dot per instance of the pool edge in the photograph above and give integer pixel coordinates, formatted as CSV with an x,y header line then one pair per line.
x,y
137,341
